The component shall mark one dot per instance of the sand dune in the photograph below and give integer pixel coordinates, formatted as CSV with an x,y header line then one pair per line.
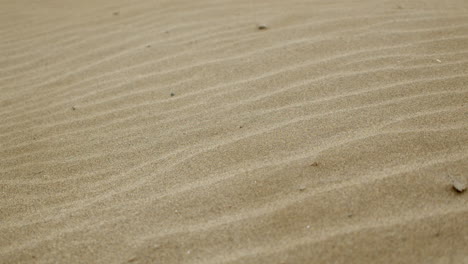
x,y
178,132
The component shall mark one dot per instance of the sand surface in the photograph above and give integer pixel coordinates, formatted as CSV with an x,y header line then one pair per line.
x,y
178,132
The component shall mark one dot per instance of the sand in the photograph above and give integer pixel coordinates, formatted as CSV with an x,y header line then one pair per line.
x,y
233,131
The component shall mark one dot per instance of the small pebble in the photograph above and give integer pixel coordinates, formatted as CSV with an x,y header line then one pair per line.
x,y
458,186
172,94
73,108
315,164
308,226
262,27
439,61
116,13
302,188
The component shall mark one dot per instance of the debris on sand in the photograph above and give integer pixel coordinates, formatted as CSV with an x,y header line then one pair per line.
x,y
73,108
458,186
302,188
116,13
262,27
172,94
315,164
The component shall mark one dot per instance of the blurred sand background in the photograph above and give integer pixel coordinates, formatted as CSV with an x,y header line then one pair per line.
x,y
178,132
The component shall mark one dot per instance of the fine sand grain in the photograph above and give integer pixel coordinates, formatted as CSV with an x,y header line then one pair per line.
x,y
233,131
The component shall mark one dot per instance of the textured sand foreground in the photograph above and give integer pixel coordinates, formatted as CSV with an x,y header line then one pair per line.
x,y
178,132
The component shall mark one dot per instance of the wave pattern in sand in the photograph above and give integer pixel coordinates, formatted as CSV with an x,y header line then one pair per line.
x,y
178,132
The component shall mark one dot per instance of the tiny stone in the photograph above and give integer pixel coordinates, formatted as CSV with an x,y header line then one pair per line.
x,y
73,108
315,164
302,188
132,259
116,13
189,251
308,226
172,94
148,46
262,26
439,61
458,186
350,215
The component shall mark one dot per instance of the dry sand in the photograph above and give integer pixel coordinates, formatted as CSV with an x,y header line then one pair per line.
x,y
179,132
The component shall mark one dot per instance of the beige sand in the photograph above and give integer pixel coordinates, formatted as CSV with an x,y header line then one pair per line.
x,y
329,137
